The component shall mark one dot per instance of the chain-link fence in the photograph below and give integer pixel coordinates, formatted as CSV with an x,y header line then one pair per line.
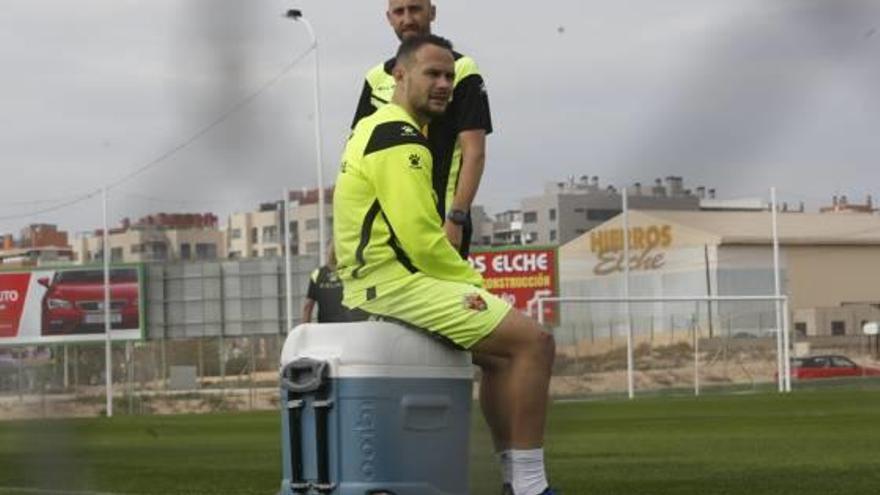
x,y
731,348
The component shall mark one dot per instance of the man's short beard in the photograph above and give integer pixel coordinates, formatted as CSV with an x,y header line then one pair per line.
x,y
433,113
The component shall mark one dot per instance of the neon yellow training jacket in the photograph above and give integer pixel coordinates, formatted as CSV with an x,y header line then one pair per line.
x,y
386,224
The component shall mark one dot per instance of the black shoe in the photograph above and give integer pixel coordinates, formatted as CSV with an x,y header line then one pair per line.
x,y
551,491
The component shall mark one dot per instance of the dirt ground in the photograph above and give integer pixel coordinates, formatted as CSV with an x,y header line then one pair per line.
x,y
588,369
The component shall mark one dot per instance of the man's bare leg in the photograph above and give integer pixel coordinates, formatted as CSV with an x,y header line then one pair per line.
x,y
517,396
494,374
517,360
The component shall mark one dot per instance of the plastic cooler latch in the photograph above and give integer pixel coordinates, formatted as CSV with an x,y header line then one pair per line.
x,y
305,375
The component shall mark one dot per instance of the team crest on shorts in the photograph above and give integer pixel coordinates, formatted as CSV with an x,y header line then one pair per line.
x,y
475,302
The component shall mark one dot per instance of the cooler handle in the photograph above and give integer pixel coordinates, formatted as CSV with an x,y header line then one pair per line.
x,y
304,375
294,420
322,437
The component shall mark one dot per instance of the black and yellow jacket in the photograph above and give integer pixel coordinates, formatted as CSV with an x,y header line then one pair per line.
x,y
386,225
468,110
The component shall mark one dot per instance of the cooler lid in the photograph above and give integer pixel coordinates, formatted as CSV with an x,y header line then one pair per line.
x,y
376,349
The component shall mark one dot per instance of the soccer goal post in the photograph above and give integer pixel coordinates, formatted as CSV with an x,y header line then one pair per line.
x,y
536,308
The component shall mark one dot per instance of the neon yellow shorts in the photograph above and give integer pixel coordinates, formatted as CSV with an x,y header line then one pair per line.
x,y
458,313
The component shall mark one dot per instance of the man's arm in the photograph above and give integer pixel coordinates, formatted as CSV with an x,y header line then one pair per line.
x,y
308,306
474,122
403,186
311,296
473,160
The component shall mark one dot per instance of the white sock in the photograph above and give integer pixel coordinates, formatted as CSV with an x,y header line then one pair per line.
x,y
529,477
506,466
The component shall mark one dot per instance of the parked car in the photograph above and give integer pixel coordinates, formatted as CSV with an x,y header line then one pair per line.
x,y
74,301
828,366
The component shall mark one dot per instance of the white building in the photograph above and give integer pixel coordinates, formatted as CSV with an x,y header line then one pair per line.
x,y
261,233
160,237
830,265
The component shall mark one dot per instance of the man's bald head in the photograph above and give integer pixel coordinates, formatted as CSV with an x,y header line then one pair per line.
x,y
410,17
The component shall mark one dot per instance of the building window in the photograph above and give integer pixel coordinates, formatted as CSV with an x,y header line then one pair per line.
x,y
206,251
255,232
312,224
270,234
552,236
601,215
530,217
156,251
800,329
116,254
235,234
838,327
292,228
552,214
185,251
270,252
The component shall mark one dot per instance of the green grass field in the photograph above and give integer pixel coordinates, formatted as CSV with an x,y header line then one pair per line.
x,y
812,442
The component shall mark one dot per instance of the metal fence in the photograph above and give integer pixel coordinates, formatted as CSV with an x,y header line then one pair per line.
x,y
213,337
686,349
677,348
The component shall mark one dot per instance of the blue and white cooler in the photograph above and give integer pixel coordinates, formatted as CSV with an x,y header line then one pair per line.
x,y
373,408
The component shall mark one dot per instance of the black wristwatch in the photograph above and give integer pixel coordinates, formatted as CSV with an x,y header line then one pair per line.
x,y
458,217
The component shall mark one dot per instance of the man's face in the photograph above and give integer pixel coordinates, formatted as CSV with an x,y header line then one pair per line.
x,y
428,80
410,17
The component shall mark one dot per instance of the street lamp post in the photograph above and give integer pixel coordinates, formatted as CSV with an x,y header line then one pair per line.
x,y
297,15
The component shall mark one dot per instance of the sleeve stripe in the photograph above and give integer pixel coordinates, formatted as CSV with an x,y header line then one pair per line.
x,y
366,230
398,251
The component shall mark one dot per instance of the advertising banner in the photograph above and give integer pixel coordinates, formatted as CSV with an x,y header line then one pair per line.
x,y
520,274
67,305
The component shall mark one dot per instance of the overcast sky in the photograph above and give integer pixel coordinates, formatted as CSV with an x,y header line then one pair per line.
x,y
732,94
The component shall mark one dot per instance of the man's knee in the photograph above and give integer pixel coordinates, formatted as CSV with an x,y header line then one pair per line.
x,y
490,363
546,346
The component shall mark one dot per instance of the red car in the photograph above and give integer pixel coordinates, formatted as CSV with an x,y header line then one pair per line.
x,y
828,366
74,301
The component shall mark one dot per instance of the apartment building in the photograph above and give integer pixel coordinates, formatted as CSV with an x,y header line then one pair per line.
x,y
568,209
260,233
160,237
38,245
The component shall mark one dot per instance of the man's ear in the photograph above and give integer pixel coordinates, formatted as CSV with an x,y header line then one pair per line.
x,y
433,13
398,72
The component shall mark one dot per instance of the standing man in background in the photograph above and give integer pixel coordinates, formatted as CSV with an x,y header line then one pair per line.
x,y
325,290
457,138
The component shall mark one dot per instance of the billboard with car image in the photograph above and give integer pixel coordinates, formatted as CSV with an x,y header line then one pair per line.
x,y
59,305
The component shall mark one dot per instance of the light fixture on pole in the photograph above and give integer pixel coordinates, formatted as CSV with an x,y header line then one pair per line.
x,y
297,15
